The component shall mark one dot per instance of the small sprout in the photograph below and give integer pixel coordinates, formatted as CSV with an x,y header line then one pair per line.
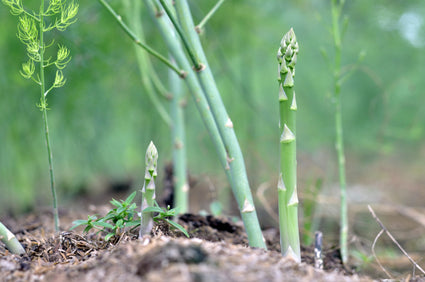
x,y
115,221
148,190
123,217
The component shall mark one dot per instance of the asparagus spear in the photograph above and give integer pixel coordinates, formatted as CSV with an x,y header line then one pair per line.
x,y
148,191
9,239
287,186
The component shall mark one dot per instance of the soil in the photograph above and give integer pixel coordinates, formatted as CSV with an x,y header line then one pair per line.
x,y
217,251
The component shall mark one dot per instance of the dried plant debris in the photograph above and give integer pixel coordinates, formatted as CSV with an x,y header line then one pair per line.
x,y
217,251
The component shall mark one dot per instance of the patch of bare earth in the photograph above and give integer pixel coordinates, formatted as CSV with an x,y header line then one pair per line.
x,y
217,251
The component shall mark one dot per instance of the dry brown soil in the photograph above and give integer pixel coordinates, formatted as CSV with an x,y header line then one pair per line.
x,y
216,251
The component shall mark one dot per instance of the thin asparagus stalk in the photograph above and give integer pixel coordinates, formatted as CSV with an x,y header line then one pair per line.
x,y
148,191
147,73
336,9
195,88
287,186
137,41
224,124
176,121
208,16
9,239
181,185
32,27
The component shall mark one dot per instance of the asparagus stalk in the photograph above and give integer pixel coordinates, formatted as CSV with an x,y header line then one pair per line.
x,y
287,186
181,185
208,16
137,41
32,27
234,157
147,73
148,191
195,88
336,9
9,239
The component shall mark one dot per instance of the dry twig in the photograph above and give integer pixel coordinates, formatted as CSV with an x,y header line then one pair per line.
x,y
384,229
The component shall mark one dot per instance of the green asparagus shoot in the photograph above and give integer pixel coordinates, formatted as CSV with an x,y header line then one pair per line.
x,y
287,186
336,9
32,29
148,190
9,239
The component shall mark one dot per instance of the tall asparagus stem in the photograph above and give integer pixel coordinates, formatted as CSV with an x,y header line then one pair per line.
x,y
287,186
181,185
148,191
223,122
9,239
43,108
32,27
147,73
336,9
195,88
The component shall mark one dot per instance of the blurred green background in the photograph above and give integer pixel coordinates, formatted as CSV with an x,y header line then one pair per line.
x,y
101,121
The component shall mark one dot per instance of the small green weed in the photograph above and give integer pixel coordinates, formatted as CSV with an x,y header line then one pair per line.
x,y
123,216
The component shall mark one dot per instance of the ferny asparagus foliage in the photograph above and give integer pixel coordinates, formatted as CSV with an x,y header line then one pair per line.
x,y
32,28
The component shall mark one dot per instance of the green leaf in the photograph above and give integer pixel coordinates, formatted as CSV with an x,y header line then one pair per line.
x,y
78,223
132,223
103,224
109,236
120,210
130,198
152,209
116,203
178,226
88,228
120,223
